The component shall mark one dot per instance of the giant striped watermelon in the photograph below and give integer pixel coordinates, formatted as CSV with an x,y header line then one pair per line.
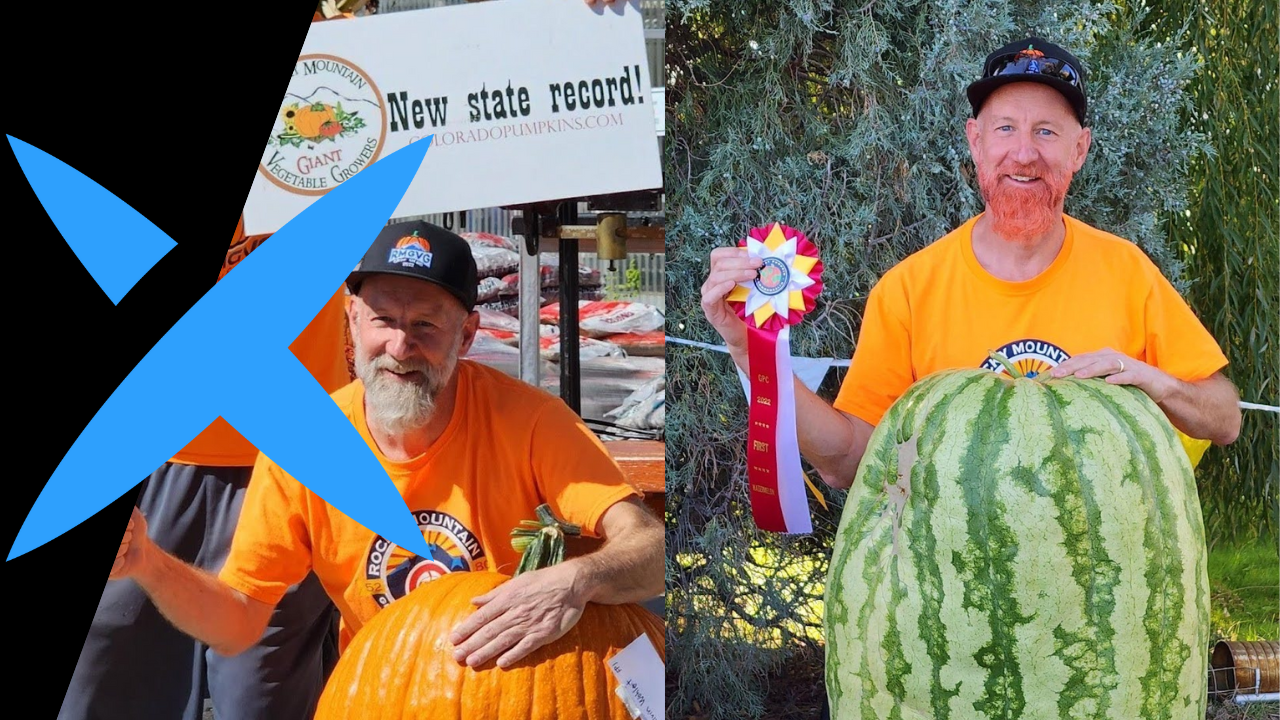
x,y
1019,548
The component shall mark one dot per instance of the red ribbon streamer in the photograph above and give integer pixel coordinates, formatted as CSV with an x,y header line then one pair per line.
x,y
762,419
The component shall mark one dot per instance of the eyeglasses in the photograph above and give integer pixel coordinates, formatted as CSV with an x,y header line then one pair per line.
x,y
1033,62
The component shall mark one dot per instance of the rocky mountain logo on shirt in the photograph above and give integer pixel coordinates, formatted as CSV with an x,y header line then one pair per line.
x,y
391,572
1029,355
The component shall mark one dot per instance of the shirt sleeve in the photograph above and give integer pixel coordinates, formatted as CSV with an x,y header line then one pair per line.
x,y
575,473
271,549
1176,341
880,371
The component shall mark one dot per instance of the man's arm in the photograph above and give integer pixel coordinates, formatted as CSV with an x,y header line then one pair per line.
x,y
631,565
539,607
832,441
196,602
1208,409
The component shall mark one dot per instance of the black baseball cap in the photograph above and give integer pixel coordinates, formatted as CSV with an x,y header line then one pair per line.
x,y
424,251
1032,60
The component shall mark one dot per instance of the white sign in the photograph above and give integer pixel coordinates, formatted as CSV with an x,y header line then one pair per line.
x,y
527,100
640,676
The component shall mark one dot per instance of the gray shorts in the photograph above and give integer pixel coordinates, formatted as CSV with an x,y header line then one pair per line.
x,y
135,665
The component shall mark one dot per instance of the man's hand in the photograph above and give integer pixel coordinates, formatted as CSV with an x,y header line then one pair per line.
x,y
1208,409
729,266
1118,369
132,547
195,601
539,607
518,617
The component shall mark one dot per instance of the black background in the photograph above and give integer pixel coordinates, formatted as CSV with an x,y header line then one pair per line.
x,y
166,105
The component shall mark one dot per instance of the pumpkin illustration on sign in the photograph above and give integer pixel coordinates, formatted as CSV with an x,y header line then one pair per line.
x,y
400,665
316,123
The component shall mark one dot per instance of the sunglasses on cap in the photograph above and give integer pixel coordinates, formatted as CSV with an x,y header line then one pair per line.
x,y
1032,62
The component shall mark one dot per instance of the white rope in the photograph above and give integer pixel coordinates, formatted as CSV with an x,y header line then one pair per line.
x,y
845,363
1255,406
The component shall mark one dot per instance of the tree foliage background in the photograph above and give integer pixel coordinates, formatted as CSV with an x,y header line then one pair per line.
x,y
1228,241
846,121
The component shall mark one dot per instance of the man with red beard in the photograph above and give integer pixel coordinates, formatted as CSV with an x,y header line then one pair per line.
x,y
1050,293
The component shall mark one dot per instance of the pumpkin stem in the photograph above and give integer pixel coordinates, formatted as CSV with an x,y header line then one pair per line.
x,y
1008,366
541,541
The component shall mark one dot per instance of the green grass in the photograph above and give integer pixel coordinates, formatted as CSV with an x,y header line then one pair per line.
x,y
1244,581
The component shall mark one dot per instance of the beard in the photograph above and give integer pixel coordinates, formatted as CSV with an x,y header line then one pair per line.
x,y
1023,214
402,404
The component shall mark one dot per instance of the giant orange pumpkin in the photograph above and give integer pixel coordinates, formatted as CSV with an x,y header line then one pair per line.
x,y
400,665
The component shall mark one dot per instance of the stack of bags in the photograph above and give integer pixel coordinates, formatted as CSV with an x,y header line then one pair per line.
x,y
605,328
498,266
634,327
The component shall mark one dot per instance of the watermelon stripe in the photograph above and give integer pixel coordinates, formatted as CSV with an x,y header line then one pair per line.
x,y
1090,653
993,545
962,625
871,622
922,619
1161,540
1055,610
847,561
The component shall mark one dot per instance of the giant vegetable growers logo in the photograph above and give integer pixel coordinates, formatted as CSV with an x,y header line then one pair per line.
x,y
391,572
331,125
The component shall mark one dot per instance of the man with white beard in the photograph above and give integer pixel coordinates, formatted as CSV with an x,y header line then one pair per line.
x,y
1047,291
472,451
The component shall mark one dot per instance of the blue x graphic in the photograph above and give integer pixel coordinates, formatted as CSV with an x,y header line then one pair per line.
x,y
255,312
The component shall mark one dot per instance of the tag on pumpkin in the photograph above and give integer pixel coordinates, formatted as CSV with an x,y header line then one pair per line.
x,y
640,674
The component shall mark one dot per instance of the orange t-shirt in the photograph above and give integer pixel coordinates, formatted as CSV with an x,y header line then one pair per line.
x,y
321,348
939,309
508,448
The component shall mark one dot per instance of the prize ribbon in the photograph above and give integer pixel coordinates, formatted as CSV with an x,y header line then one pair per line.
x,y
783,292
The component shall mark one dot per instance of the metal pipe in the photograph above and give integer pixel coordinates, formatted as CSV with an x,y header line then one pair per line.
x,y
1264,697
1256,697
530,299
570,376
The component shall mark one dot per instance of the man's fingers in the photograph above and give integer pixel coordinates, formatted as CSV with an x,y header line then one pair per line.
x,y
736,275
713,294
499,641
522,649
1073,365
478,627
1099,367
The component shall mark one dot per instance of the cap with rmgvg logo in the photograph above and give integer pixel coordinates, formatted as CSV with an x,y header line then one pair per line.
x,y
424,251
